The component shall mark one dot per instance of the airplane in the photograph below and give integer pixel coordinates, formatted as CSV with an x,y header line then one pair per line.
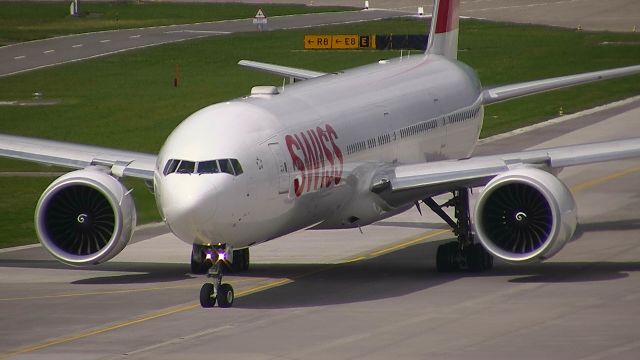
x,y
328,151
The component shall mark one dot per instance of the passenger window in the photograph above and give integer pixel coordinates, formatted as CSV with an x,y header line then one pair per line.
x,y
186,167
171,167
236,166
225,166
208,167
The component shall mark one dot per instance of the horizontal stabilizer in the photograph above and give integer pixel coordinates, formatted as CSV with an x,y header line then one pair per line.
x,y
507,92
297,74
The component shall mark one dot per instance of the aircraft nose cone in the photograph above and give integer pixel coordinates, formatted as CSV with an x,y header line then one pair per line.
x,y
188,204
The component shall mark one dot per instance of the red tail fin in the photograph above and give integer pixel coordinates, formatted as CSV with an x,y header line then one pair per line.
x,y
443,38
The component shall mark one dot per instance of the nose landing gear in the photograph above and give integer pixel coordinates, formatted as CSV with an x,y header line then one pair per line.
x,y
216,291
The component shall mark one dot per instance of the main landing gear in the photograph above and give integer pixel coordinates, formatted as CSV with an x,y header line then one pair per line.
x,y
216,291
462,254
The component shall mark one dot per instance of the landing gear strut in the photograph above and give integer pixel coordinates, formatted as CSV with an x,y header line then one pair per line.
x,y
216,291
462,254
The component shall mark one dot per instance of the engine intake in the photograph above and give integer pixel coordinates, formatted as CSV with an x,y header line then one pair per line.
x,y
525,215
85,217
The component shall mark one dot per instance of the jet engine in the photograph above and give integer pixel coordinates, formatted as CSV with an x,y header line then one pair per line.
x,y
525,215
85,217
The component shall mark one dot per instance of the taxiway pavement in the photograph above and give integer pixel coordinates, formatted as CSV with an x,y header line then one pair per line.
x,y
346,295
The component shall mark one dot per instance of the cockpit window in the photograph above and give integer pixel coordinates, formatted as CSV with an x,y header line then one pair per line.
x,y
225,166
171,166
208,167
236,166
186,167
229,166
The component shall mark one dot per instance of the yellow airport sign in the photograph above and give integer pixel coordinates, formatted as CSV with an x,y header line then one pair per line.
x,y
338,41
345,41
317,41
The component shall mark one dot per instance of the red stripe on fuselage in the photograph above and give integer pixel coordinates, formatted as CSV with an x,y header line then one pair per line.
x,y
447,16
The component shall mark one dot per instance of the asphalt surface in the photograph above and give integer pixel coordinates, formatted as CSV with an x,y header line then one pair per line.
x,y
346,295
37,54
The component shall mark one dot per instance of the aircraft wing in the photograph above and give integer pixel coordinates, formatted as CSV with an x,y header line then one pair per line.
x,y
297,74
76,156
501,93
399,184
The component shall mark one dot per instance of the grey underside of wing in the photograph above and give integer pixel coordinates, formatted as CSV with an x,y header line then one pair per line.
x,y
502,93
444,176
298,74
76,156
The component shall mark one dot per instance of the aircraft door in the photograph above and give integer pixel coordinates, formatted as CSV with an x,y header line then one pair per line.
x,y
282,170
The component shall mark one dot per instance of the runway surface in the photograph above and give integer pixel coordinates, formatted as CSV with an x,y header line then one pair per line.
x,y
346,295
37,54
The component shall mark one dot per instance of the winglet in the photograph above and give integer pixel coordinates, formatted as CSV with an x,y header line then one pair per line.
x,y
443,37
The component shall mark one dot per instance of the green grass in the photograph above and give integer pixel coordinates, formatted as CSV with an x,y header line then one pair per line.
x,y
128,100
24,21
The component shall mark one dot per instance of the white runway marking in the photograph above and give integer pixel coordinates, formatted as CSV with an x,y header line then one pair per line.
x,y
134,36
19,57
105,41
76,45
197,32
48,51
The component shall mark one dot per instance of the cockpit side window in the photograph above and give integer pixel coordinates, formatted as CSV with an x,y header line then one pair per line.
x,y
236,166
208,167
186,167
225,166
171,167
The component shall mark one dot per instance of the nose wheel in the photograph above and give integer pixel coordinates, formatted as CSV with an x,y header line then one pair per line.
x,y
216,291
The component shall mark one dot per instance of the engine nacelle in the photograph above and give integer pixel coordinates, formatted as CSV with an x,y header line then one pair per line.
x,y
85,217
525,215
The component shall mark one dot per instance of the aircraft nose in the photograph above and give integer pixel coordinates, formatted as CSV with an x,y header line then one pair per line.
x,y
188,203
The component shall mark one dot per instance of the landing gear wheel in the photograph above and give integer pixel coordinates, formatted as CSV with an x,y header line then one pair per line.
x,y
207,297
478,259
447,257
225,296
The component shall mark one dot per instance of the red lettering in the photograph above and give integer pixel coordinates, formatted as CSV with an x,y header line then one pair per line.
x,y
333,136
324,141
311,160
298,186
319,156
308,153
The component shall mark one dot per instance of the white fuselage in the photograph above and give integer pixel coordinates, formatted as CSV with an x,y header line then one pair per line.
x,y
308,153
